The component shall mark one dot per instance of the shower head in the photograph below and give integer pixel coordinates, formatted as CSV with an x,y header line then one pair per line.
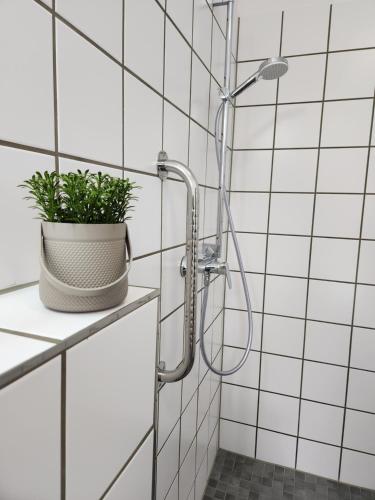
x,y
271,68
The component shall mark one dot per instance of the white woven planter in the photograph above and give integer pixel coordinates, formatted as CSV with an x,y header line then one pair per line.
x,y
83,266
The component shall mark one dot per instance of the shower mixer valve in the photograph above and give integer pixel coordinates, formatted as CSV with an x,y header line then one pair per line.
x,y
209,263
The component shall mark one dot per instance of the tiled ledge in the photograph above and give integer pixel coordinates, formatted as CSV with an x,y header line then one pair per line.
x,y
31,334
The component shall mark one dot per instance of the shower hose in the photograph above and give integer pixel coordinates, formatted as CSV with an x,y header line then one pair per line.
x,y
242,272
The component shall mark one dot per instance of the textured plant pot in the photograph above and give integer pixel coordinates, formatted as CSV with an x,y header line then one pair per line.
x,y
83,266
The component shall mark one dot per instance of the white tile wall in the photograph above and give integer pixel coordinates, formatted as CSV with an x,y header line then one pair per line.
x,y
26,88
90,100
319,234
143,41
101,21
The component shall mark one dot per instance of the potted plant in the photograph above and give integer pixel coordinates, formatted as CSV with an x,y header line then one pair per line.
x,y
84,238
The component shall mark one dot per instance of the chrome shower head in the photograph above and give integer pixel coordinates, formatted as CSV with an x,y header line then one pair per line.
x,y
271,68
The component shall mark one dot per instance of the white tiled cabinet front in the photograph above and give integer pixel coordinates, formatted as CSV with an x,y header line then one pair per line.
x,y
135,482
30,410
109,402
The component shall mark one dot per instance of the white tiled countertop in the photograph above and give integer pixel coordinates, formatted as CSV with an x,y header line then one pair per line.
x,y
30,334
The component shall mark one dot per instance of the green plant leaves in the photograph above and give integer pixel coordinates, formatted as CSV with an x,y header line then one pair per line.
x,y
80,197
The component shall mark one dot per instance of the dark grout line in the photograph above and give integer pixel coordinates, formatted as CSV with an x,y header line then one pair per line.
x,y
356,284
292,103
338,51
267,238
312,232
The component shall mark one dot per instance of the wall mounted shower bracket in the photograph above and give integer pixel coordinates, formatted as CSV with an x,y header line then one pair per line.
x,y
208,262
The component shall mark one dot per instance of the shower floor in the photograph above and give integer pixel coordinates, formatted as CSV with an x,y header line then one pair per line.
x,y
235,477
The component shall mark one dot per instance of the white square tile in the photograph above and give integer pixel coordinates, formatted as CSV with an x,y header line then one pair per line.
x,y
101,21
364,306
334,259
253,248
143,125
187,474
330,301
173,492
170,343
285,296
200,92
202,30
150,193
304,79
169,410
254,127
337,215
357,468
288,255
359,431
258,40
174,211
218,53
368,229
18,266
251,170
327,342
89,86
250,211
182,15
32,445
235,297
210,212
176,133
321,422
203,397
200,482
264,93
281,374
363,349
177,68
236,328
26,88
366,271
346,123
361,394
212,174
239,404
352,26
16,350
190,383
291,213
146,272
249,374
370,186
317,458
324,383
297,125
294,170
283,335
360,62
278,413
306,29
276,448
198,152
144,40
172,284
237,438
342,170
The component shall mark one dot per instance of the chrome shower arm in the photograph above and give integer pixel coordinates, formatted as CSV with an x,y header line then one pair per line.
x,y
164,165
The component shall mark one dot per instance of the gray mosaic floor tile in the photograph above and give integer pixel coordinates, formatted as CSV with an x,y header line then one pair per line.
x,y
235,477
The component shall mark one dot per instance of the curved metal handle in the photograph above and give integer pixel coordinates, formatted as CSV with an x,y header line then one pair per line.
x,y
192,237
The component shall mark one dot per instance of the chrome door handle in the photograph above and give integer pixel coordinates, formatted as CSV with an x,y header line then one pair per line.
x,y
164,165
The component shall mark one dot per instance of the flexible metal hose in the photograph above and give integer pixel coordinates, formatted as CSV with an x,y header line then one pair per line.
x,y
242,272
